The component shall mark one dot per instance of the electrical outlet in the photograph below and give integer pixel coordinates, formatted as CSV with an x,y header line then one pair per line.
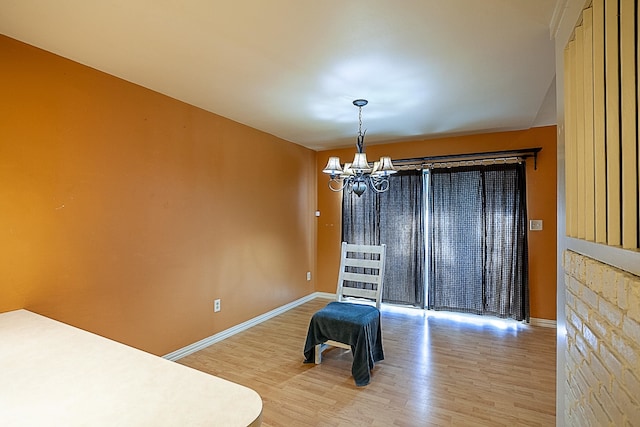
x,y
216,306
308,275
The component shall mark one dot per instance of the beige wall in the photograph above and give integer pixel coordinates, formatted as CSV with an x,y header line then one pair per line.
x,y
541,203
126,213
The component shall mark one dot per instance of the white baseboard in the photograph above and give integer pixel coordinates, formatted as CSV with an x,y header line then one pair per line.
x,y
206,342
546,323
324,295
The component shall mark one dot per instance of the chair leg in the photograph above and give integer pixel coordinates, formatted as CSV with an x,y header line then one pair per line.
x,y
319,353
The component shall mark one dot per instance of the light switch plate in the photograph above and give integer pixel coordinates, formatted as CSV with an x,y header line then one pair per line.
x,y
535,224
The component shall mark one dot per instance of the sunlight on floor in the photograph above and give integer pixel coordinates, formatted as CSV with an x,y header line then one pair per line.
x,y
471,319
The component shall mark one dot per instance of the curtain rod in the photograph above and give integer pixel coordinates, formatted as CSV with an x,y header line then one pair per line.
x,y
522,153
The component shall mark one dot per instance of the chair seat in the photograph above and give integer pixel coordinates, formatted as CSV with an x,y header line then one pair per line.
x,y
340,320
358,326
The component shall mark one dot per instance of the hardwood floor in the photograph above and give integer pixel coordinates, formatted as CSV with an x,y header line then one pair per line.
x,y
436,372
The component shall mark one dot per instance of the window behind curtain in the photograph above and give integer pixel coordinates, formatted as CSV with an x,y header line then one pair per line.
x,y
478,247
395,218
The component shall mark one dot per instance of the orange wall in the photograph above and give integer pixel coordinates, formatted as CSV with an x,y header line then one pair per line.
x,y
541,194
126,213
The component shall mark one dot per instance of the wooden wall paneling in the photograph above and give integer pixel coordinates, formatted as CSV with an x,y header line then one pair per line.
x,y
580,130
599,130
567,132
589,168
571,183
629,130
612,123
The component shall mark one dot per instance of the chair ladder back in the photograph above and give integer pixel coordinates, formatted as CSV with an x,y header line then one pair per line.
x,y
374,274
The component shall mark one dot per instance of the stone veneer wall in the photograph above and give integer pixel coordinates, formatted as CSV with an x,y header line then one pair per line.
x,y
603,344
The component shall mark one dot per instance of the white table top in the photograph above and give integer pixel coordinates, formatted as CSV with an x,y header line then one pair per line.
x,y
52,374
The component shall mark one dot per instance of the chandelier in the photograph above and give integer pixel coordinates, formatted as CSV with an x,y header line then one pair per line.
x,y
355,177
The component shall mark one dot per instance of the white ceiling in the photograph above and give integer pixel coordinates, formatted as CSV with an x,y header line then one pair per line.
x,y
292,67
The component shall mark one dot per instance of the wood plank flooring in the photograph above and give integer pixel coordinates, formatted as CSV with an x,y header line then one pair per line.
x,y
436,372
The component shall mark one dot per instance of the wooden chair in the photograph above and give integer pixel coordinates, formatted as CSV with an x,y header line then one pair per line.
x,y
353,321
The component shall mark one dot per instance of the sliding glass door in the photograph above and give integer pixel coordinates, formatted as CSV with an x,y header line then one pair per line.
x,y
395,218
478,241
473,254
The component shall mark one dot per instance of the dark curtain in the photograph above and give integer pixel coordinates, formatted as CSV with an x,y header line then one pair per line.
x,y
478,241
395,218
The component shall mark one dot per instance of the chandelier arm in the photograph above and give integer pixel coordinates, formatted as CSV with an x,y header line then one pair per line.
x,y
379,185
340,186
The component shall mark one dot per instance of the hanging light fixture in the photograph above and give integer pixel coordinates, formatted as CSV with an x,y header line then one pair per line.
x,y
357,176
